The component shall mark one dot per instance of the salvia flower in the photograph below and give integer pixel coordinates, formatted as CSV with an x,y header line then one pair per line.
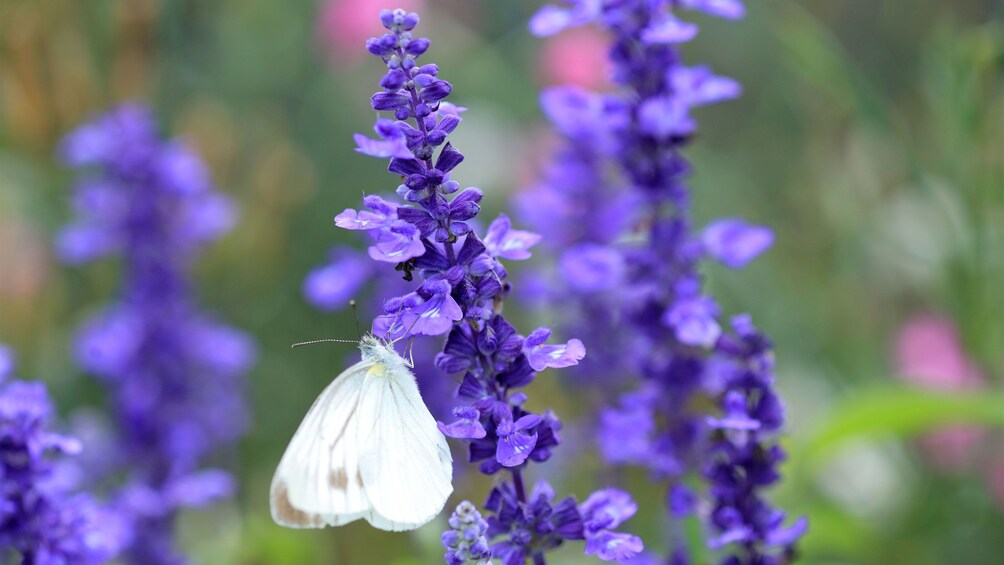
x,y
465,541
175,375
459,284
621,166
40,518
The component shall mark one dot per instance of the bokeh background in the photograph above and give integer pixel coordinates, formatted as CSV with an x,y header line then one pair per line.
x,y
870,136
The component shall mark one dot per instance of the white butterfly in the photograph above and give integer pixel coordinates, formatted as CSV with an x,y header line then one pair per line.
x,y
368,448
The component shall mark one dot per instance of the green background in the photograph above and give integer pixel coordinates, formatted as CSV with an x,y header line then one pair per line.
x,y
870,136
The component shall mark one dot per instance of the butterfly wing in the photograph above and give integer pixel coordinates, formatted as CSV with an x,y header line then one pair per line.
x,y
408,470
318,482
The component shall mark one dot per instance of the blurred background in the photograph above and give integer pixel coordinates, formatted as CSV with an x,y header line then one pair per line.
x,y
870,136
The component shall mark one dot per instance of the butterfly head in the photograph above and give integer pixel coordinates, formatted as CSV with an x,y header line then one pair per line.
x,y
376,348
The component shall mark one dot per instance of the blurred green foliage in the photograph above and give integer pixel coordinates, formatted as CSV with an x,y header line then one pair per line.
x,y
870,136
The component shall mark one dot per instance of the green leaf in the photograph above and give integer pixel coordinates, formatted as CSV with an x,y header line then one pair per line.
x,y
900,412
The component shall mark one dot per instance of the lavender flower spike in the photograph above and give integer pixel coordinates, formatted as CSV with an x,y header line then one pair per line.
x,y
39,519
644,274
459,290
174,375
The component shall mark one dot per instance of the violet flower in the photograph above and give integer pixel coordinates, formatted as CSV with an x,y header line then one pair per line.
x,y
41,520
642,279
174,374
459,286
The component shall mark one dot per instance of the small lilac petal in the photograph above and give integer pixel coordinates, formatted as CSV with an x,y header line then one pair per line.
x,y
527,422
698,86
666,116
463,429
781,537
181,171
360,220
729,9
556,356
503,241
77,244
514,448
694,321
331,286
669,30
396,244
549,20
613,546
200,489
607,508
734,242
383,148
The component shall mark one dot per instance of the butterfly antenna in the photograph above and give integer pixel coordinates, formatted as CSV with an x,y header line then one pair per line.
x,y
355,317
302,343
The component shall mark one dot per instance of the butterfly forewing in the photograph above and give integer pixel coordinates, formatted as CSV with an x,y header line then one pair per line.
x,y
317,482
409,472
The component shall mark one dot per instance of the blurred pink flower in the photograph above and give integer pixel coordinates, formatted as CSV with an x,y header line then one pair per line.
x,y
995,480
577,57
930,354
343,26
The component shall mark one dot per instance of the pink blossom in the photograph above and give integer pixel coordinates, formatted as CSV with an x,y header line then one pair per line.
x,y
343,26
929,354
576,57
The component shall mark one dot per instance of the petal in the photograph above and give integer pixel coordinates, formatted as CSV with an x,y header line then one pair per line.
x,y
383,148
556,356
735,242
514,449
463,429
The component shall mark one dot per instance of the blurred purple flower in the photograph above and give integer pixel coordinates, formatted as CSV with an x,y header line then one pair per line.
x,y
174,375
331,286
39,518
635,272
734,242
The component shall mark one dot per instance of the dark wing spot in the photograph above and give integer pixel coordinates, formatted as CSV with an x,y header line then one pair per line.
x,y
338,479
284,512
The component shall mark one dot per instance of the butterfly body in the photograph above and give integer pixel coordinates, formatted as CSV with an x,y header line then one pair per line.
x,y
367,449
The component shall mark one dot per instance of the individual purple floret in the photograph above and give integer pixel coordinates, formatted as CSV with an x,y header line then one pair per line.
x,y
630,269
459,285
41,520
174,374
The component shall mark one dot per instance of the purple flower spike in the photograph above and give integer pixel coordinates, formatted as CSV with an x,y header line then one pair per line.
x,y
734,242
614,204
174,375
41,519
459,287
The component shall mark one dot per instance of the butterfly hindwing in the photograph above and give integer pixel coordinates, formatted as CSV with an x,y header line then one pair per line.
x,y
408,470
